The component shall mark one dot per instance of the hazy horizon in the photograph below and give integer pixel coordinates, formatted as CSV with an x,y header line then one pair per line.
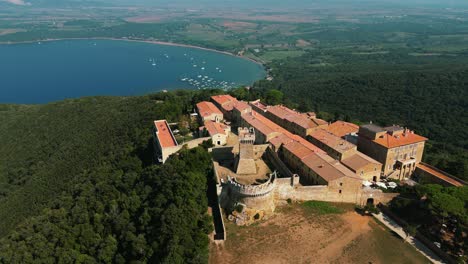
x,y
242,3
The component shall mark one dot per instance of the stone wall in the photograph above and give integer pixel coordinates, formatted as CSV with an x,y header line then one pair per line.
x,y
167,152
284,190
423,176
272,157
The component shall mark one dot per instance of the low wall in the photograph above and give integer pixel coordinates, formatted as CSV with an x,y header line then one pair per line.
x,y
167,152
444,179
195,142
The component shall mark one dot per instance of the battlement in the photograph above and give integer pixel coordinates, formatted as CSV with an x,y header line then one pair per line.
x,y
252,190
246,135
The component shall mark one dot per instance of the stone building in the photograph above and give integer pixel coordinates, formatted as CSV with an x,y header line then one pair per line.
x,y
164,141
295,122
207,111
225,103
363,166
336,147
217,131
245,162
265,129
319,169
240,108
399,149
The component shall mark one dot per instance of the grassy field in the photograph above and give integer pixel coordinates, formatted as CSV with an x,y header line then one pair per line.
x,y
313,232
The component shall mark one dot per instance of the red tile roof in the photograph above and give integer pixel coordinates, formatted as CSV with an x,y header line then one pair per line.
x,y
298,150
300,119
440,175
241,106
207,108
342,128
267,127
164,134
327,168
258,122
226,101
214,128
334,142
406,138
359,160
259,105
320,163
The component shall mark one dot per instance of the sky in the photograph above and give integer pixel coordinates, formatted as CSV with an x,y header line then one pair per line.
x,y
253,3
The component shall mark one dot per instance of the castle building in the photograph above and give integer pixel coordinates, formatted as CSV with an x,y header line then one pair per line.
x,y
225,103
399,149
363,166
245,162
265,129
240,108
164,141
336,147
207,111
217,131
295,122
317,168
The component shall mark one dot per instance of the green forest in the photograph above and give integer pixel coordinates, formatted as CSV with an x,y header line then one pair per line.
x,y
78,184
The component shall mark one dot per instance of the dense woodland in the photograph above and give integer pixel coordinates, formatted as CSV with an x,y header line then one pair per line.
x,y
79,185
428,95
439,213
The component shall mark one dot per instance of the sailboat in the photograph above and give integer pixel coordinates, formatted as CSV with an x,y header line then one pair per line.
x,y
154,63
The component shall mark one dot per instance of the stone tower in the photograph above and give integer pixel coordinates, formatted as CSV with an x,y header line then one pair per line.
x,y
245,163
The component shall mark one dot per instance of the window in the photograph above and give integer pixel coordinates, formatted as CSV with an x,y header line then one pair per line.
x,y
341,184
340,191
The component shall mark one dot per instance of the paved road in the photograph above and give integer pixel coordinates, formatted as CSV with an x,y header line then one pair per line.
x,y
388,222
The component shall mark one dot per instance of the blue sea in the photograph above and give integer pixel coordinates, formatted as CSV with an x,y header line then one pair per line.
x,y
43,72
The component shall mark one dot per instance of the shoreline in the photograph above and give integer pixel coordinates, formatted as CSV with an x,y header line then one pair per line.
x,y
157,42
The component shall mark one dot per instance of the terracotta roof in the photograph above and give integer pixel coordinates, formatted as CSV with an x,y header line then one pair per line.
x,y
280,140
226,101
164,134
342,128
297,118
257,121
406,138
241,106
336,143
259,105
281,111
207,108
319,162
440,175
214,128
298,150
305,143
359,160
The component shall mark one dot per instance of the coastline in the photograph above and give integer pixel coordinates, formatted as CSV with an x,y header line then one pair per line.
x,y
157,42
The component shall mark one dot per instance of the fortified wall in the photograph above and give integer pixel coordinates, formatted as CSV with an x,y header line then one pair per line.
x,y
285,185
259,197
285,190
